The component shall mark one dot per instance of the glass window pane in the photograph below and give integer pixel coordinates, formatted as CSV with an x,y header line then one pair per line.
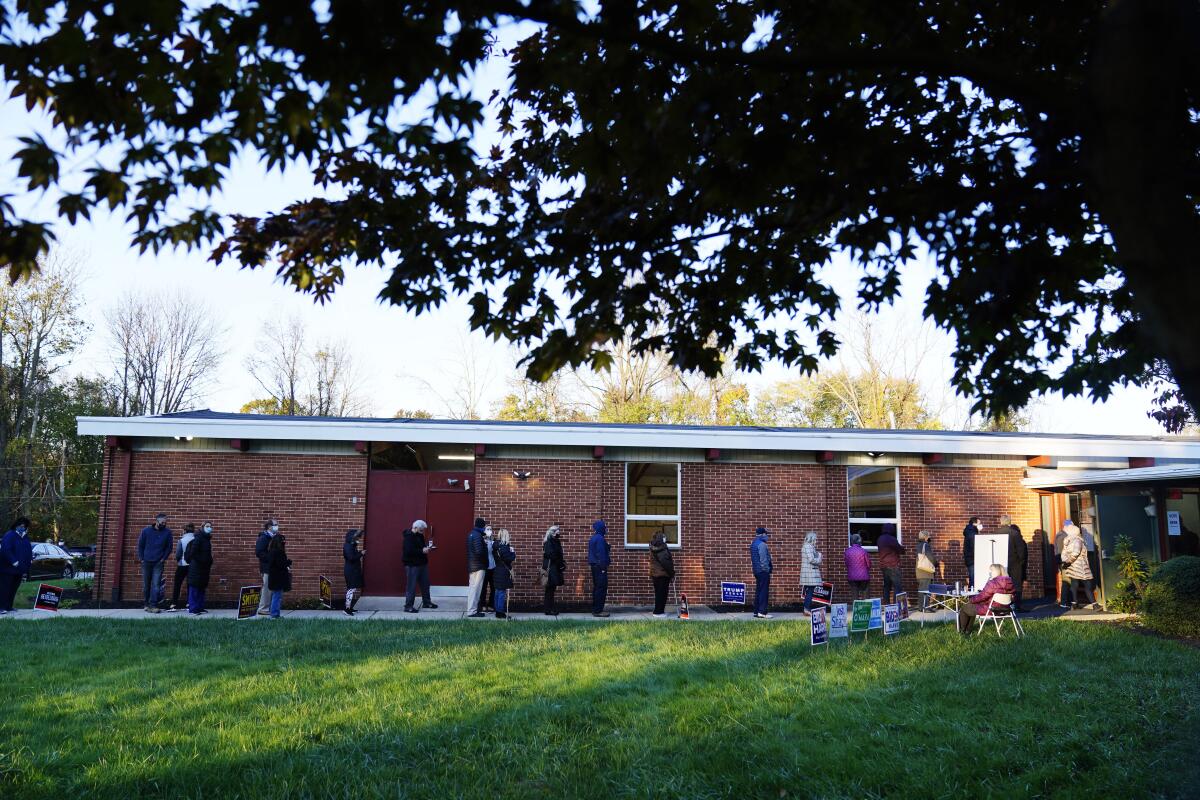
x,y
872,492
641,531
869,531
653,489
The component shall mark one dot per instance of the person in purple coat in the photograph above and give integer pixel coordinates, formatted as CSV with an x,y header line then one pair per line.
x,y
858,567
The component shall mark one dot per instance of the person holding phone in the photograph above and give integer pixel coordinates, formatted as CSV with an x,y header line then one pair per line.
x,y
352,554
416,566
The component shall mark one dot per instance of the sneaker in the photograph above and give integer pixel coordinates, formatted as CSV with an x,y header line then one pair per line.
x,y
410,611
349,612
763,616
658,615
151,610
3,613
264,613
806,613
172,608
501,615
477,614
1097,607
195,613
428,605
600,614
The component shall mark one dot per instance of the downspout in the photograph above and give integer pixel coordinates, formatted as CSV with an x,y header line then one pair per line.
x,y
119,563
102,542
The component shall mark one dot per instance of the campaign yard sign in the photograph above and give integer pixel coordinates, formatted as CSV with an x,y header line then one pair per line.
x,y
326,592
860,619
733,592
891,619
876,619
823,594
49,598
248,599
838,624
902,602
820,628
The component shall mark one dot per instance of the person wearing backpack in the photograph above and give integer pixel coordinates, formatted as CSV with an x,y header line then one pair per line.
x,y
198,555
181,565
279,573
926,566
662,571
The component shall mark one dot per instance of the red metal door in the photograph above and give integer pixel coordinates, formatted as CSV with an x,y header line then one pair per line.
x,y
451,511
394,501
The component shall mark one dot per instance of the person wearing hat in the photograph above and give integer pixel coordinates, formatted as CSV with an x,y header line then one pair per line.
x,y
153,550
760,564
477,564
599,560
16,556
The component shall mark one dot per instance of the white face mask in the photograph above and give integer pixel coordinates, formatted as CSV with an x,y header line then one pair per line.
x,y
274,529
208,528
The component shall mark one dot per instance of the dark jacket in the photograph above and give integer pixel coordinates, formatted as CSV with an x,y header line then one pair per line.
x,y
476,551
17,550
504,557
154,544
260,549
353,571
1018,554
760,556
553,561
414,554
598,546
199,558
969,545
889,551
661,563
279,578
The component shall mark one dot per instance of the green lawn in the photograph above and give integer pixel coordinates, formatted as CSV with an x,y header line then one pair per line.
x,y
172,708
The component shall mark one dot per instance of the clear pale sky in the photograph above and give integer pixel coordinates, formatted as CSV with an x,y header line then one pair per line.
x,y
392,347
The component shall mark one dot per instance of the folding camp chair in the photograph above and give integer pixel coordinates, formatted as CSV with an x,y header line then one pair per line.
x,y
1000,609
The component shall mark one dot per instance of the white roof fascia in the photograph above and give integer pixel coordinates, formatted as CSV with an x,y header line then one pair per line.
x,y
634,436
1047,479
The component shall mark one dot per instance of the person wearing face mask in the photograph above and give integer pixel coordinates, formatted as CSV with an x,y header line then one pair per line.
x,y
554,567
973,527
760,565
487,595
153,550
477,564
16,556
262,544
199,565
599,559
352,571
181,564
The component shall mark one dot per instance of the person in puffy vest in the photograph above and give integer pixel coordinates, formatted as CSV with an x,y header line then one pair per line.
x,y
760,564
858,567
16,557
477,564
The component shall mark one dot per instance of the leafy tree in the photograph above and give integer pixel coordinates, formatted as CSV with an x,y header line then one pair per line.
x,y
702,158
839,399
263,405
1171,409
416,413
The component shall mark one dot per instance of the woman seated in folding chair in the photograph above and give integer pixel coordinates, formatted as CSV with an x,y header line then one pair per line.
x,y
977,604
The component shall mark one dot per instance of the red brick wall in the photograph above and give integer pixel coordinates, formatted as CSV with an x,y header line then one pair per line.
x,y
310,495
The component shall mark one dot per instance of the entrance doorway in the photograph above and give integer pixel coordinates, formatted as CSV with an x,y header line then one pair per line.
x,y
396,498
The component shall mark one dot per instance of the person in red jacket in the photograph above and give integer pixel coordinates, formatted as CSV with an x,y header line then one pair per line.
x,y
977,604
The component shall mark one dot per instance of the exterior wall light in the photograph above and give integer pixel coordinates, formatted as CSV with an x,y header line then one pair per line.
x,y
874,455
522,475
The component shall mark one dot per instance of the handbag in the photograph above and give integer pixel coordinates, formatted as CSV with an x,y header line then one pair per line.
x,y
543,577
925,564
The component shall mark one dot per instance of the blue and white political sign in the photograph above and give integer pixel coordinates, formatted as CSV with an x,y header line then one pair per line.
x,y
732,592
891,619
876,618
820,628
838,624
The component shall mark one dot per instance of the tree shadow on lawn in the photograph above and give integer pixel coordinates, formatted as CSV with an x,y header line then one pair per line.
x,y
630,710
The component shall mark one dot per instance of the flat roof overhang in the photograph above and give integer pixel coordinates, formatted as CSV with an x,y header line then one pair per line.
x,y
1171,475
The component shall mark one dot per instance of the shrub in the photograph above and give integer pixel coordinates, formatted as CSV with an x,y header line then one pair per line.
x,y
1171,603
1133,569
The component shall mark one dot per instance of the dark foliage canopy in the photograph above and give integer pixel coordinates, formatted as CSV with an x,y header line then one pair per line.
x,y
676,170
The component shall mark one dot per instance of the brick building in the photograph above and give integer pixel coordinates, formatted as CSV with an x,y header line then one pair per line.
x,y
706,488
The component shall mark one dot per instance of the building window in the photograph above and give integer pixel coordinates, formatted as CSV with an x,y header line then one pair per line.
x,y
651,503
874,501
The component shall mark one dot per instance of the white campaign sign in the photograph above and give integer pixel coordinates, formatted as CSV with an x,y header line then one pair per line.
x,y
838,623
891,619
990,548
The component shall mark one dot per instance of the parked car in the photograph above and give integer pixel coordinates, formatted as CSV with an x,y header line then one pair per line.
x,y
85,557
50,561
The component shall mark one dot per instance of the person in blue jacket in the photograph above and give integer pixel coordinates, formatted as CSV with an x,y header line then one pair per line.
x,y
153,549
599,560
16,556
760,563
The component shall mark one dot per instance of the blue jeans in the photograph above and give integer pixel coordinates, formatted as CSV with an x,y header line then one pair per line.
x,y
413,576
501,601
762,590
152,582
599,588
195,597
276,601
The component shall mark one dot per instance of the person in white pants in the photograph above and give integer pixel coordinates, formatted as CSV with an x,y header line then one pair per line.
x,y
477,562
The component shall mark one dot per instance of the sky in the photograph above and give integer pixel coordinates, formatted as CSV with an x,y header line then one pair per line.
x,y
399,354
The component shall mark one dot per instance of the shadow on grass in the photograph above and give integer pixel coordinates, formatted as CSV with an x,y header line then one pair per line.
x,y
585,710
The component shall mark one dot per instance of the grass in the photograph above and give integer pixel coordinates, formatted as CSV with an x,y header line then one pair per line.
x,y
122,709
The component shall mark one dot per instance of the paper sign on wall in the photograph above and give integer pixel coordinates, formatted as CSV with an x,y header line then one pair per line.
x,y
733,592
876,615
891,619
1174,524
820,630
837,621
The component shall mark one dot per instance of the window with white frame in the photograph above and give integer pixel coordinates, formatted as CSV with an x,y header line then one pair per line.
x,y
651,503
874,501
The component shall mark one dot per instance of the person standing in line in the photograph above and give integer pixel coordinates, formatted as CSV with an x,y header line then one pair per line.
x,y
487,595
760,565
181,565
977,604
1076,567
554,567
662,571
858,567
153,550
477,562
503,556
926,566
352,571
1089,544
890,550
199,557
810,569
1018,554
1064,583
262,544
974,526
16,557
416,567
599,559
279,573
